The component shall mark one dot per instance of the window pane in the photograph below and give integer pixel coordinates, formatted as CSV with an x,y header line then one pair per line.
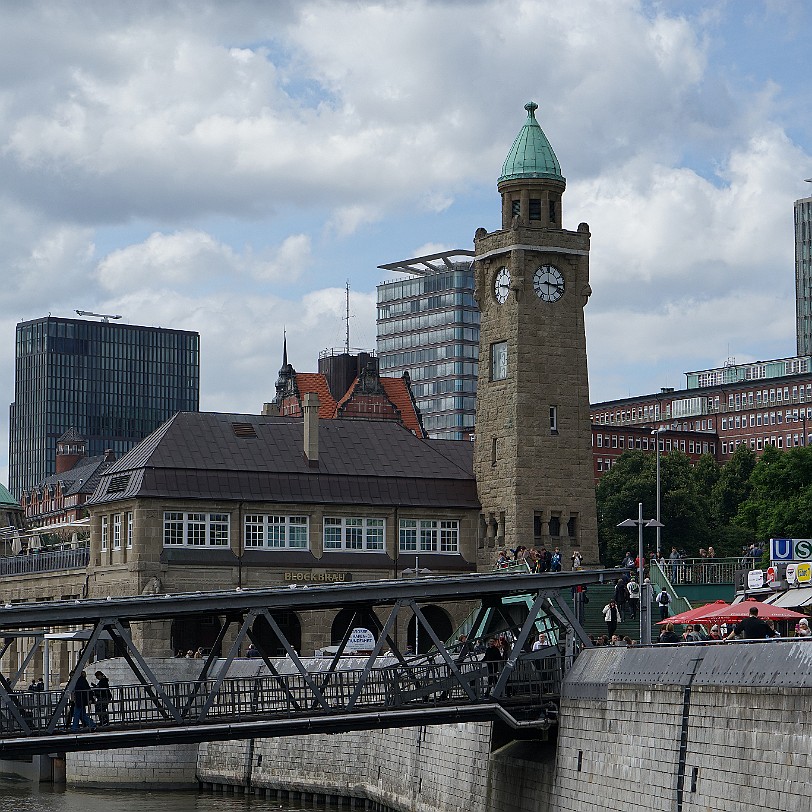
x,y
332,534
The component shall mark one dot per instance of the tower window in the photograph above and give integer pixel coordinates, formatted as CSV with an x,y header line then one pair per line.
x,y
499,361
553,419
493,451
515,207
552,211
571,528
535,209
555,526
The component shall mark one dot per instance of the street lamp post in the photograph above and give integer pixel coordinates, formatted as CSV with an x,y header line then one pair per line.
x,y
645,597
656,434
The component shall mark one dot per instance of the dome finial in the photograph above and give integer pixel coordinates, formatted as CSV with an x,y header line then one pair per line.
x,y
531,108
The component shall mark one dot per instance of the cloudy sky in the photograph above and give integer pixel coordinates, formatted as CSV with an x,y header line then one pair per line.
x,y
226,167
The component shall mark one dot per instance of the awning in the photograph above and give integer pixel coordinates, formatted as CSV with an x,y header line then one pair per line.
x,y
794,598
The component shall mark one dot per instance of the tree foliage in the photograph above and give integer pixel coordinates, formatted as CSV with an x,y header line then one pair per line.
x,y
727,507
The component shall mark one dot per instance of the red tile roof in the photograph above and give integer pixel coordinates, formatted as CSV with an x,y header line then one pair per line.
x,y
316,382
398,392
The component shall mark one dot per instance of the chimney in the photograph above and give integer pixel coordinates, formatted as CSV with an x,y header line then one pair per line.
x,y
310,407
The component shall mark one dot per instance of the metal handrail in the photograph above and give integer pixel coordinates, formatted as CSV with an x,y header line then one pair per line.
x,y
660,581
420,682
702,570
48,561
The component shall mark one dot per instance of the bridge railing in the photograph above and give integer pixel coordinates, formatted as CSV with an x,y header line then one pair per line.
x,y
423,681
701,570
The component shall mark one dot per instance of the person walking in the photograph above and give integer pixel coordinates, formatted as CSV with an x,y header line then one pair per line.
x,y
663,599
633,589
612,617
81,700
102,696
621,597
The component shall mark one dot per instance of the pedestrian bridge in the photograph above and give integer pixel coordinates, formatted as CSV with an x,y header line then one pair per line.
x,y
295,695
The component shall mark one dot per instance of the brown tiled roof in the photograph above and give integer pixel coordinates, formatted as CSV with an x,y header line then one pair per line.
x,y
316,382
198,455
398,392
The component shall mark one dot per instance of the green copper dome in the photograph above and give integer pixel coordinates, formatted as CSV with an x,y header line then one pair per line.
x,y
531,155
6,499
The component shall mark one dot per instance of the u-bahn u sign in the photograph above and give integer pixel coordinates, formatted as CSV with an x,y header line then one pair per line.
x,y
790,550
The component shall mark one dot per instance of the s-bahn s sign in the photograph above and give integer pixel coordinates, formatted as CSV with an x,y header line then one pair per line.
x,y
790,550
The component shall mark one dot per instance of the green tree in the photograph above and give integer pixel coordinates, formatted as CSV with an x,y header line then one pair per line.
x,y
729,493
685,503
780,499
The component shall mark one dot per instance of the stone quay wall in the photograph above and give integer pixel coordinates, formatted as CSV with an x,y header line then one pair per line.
x,y
692,728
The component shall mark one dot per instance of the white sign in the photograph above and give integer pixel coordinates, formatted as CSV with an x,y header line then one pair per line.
x,y
361,638
791,573
755,579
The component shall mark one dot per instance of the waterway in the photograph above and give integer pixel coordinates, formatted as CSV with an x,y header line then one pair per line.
x,y
21,796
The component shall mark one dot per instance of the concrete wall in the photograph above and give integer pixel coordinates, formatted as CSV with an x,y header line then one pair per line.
x,y
736,716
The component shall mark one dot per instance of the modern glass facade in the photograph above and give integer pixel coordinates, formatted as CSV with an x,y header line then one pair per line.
x,y
114,383
803,275
428,326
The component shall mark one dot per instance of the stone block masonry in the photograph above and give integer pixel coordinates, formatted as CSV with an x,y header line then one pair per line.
x,y
689,729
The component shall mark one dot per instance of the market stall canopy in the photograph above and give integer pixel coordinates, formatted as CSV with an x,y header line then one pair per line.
x,y
741,610
694,615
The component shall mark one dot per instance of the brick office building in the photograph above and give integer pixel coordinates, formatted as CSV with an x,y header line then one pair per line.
x,y
756,404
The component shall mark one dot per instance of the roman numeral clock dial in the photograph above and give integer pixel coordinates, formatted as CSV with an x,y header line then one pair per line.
x,y
548,283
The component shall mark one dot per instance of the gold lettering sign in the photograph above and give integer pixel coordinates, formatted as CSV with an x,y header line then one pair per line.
x,y
318,577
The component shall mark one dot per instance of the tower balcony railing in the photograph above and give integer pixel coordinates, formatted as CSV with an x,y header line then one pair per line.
x,y
45,561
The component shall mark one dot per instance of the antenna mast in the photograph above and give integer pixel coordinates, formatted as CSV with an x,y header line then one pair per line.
x,y
347,341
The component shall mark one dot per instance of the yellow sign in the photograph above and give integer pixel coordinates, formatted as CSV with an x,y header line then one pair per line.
x,y
803,573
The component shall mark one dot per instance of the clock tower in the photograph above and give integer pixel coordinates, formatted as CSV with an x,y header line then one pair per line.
x,y
533,449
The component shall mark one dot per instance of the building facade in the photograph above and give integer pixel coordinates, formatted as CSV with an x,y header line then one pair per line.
x,y
428,327
533,457
113,383
755,404
803,275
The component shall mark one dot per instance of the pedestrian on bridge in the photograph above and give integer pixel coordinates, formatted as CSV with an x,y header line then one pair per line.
x,y
102,696
81,701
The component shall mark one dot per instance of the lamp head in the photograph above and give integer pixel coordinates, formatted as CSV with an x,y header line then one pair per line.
x,y
628,523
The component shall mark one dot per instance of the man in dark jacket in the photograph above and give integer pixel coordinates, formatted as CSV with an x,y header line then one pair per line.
x,y
752,627
102,695
81,701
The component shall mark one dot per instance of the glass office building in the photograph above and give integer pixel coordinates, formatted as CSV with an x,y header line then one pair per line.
x,y
803,275
113,383
428,326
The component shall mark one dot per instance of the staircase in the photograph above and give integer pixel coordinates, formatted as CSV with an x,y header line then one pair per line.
x,y
594,624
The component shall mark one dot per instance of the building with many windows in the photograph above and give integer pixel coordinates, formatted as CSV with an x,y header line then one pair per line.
x,y
428,327
756,404
803,275
112,383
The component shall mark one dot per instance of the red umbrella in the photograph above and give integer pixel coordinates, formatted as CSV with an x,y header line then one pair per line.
x,y
741,610
694,615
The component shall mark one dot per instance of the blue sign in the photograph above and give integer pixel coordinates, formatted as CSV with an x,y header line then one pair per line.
x,y
790,549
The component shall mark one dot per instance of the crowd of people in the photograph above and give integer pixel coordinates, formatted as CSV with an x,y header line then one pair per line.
x,y
538,559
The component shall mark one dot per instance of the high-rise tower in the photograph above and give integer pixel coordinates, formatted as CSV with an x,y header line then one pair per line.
x,y
112,383
533,457
803,275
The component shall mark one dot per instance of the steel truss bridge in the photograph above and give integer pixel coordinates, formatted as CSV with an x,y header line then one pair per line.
x,y
390,689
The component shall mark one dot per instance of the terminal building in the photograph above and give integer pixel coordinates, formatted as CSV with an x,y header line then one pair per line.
x,y
111,383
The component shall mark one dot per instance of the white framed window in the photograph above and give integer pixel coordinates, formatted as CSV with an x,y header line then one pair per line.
x,y
117,531
431,536
354,533
196,529
105,531
129,529
269,532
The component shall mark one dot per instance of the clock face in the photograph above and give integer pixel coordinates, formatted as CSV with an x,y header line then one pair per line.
x,y
548,283
501,285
